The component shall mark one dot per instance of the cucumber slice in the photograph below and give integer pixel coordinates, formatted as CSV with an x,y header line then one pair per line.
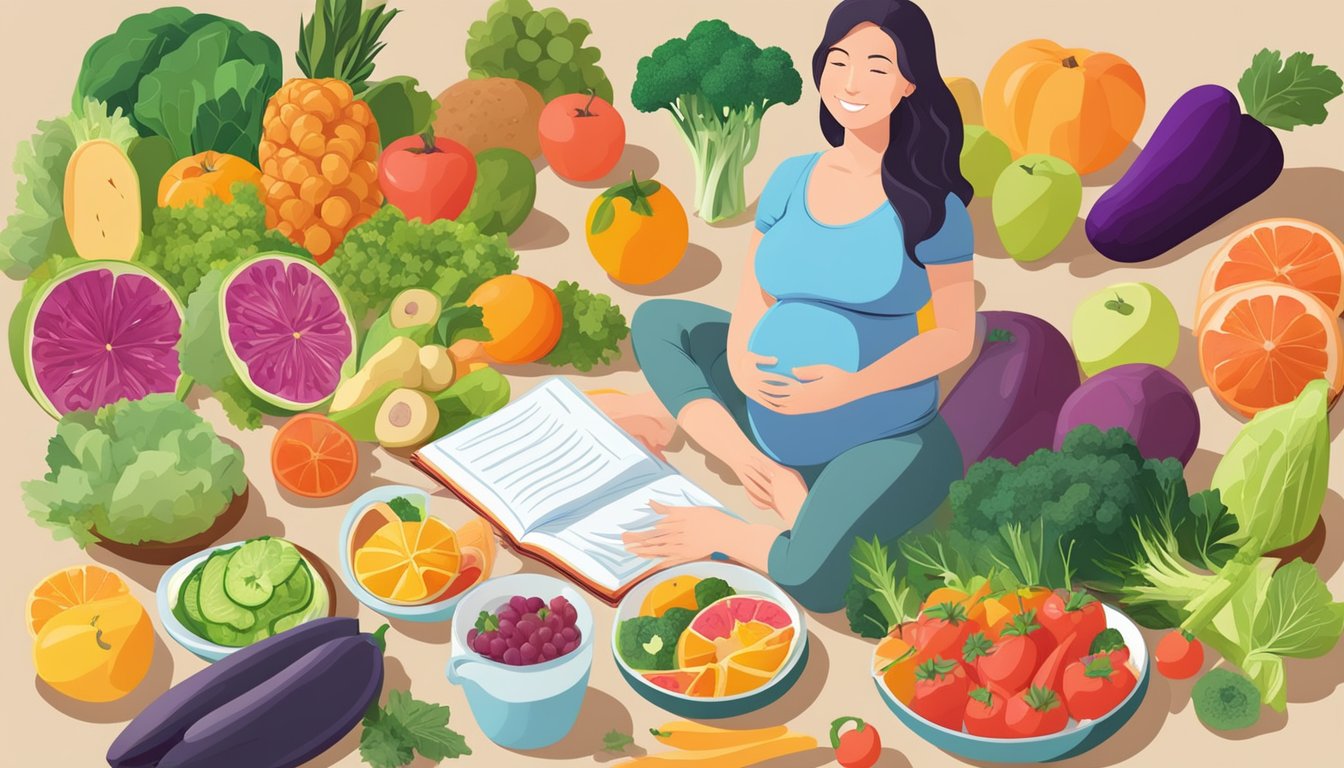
x,y
223,634
291,597
189,603
256,568
216,607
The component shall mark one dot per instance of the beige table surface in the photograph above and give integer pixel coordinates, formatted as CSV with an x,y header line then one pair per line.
x,y
1174,44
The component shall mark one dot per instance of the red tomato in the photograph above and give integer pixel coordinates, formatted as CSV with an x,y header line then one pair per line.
x,y
427,178
942,631
1026,625
857,748
1079,615
940,692
1050,675
977,648
1035,712
1026,599
582,136
986,713
1096,687
1009,663
1179,655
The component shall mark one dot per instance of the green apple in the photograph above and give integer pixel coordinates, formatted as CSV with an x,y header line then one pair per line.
x,y
1125,323
983,158
1036,200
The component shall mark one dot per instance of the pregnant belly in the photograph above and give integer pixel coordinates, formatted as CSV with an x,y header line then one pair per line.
x,y
806,334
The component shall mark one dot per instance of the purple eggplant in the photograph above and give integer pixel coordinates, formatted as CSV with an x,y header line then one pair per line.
x,y
1207,159
1008,401
292,717
160,727
1148,402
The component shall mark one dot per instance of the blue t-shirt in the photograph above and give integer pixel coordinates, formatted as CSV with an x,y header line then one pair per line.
x,y
845,295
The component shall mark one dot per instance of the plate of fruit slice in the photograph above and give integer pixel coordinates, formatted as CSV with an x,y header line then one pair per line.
x,y
1027,676
404,562
709,640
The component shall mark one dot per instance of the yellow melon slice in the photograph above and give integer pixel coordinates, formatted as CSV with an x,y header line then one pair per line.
x,y
102,202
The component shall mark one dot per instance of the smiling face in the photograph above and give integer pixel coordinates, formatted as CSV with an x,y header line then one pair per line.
x,y
861,83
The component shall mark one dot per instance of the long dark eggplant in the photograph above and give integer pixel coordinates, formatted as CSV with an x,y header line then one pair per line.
x,y
1207,158
159,728
292,717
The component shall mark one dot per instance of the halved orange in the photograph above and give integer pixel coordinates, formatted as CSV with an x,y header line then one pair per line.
x,y
313,456
1295,252
1261,342
409,563
68,588
677,592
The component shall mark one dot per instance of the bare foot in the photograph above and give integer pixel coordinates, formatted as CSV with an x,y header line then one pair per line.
x,y
642,415
769,484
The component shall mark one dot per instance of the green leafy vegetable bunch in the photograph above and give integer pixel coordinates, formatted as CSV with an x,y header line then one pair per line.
x,y
543,48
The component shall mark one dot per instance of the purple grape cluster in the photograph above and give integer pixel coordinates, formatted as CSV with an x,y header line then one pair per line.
x,y
526,630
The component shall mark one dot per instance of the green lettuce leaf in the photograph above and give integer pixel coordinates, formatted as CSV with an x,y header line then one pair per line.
x,y
1273,477
1285,94
400,107
592,330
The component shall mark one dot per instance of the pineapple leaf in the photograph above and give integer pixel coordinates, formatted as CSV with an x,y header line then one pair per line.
x,y
341,40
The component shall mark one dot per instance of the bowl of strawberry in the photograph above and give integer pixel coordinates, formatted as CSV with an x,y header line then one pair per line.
x,y
1028,675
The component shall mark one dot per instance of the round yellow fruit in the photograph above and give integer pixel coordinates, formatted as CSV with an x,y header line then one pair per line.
x,y
637,231
96,652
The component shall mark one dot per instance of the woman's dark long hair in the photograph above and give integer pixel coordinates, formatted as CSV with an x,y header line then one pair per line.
x,y
922,164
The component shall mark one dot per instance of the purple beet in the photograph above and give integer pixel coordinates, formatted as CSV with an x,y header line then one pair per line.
x,y
1007,403
1147,401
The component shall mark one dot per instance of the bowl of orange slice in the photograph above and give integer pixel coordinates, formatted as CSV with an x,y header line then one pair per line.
x,y
709,640
404,562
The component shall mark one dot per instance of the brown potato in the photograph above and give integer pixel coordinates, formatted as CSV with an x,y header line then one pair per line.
x,y
491,112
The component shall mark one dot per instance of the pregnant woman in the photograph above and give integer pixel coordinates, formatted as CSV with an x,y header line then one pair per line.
x,y
819,389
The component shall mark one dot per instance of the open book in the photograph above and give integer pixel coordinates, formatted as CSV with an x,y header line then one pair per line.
x,y
561,482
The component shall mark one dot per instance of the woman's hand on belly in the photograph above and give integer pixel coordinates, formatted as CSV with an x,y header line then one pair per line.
x,y
817,388
749,376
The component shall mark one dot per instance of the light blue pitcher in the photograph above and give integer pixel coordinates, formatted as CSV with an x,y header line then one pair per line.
x,y
521,707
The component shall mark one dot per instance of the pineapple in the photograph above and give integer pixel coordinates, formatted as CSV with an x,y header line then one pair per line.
x,y
319,163
319,142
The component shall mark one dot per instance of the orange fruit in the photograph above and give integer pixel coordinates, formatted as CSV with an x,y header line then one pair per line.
x,y
1261,342
476,534
312,456
96,651
677,592
68,588
191,180
637,231
409,563
1295,252
522,315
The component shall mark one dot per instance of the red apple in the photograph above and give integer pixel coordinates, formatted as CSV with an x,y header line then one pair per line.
x,y
582,136
427,178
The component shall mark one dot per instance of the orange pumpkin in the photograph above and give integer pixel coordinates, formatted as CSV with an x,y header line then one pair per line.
x,y
1081,106
209,174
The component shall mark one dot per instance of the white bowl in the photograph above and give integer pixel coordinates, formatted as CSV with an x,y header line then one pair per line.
x,y
746,582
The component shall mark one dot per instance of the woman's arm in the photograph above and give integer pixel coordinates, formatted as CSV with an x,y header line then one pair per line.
x,y
751,304
937,349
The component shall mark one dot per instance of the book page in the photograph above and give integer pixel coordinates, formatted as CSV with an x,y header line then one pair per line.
x,y
590,539
549,452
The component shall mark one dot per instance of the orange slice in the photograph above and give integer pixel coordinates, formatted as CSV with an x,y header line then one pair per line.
x,y
1294,252
409,563
1260,343
312,456
68,588
694,650
706,683
677,592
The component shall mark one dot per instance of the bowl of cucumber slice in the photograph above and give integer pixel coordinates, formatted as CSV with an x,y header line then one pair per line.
x,y
232,595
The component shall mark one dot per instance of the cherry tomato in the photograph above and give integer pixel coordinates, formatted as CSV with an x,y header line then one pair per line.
x,y
1179,655
1079,614
1095,687
940,692
942,631
1026,625
1035,712
986,713
1008,663
857,748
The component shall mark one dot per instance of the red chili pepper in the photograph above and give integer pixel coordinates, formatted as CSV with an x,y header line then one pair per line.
x,y
858,748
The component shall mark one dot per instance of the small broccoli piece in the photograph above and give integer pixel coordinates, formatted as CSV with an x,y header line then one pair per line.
x,y
711,589
1109,639
1225,700
649,642
717,84
678,619
406,509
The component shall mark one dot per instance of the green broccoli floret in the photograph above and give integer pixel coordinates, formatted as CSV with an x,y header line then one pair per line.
x,y
649,642
717,84
711,589
1108,639
1092,497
